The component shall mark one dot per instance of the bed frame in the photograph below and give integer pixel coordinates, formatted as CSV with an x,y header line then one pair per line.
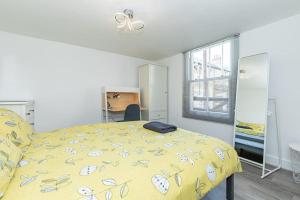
x,y
230,187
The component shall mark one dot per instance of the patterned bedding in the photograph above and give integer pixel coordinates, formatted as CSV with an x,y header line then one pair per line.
x,y
250,128
121,161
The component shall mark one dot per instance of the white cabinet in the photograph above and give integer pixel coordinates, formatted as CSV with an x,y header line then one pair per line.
x,y
23,108
153,83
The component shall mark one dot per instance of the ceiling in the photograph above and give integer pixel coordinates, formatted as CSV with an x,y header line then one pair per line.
x,y
171,26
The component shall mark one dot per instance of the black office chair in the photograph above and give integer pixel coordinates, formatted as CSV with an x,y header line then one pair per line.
x,y
132,113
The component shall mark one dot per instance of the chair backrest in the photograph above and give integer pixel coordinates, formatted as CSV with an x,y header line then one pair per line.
x,y
132,113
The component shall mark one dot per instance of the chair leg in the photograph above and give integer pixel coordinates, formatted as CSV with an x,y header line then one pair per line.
x,y
230,188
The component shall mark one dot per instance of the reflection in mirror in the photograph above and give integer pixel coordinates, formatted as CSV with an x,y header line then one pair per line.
x,y
251,107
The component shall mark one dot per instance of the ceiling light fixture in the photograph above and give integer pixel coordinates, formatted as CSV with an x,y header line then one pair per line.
x,y
244,74
125,22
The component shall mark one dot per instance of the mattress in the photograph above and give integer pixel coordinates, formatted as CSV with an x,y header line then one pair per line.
x,y
121,161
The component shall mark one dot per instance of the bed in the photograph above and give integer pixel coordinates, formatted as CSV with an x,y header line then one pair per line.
x,y
250,143
249,137
122,161
253,129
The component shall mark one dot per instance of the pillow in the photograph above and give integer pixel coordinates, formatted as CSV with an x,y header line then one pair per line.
x,y
10,155
15,128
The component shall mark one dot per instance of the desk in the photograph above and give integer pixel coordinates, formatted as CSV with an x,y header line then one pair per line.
x,y
116,100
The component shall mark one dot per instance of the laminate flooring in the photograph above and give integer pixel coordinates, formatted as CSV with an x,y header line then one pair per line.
x,y
249,186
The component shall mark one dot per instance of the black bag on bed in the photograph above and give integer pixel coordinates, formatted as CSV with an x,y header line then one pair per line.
x,y
160,127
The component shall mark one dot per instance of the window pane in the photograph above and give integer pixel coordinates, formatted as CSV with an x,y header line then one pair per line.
x,y
198,94
197,65
218,60
218,106
215,56
226,57
213,72
199,105
214,61
198,89
218,88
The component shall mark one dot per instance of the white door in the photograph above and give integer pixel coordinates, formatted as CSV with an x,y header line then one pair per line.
x,y
158,87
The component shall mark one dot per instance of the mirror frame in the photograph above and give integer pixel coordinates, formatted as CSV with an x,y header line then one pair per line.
x,y
251,162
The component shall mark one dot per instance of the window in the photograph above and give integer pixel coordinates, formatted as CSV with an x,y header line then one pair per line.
x,y
210,81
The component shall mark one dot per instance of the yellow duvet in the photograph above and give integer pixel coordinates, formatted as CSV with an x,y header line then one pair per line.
x,y
121,161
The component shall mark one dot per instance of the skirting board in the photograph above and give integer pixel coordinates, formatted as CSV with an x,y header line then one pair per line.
x,y
273,160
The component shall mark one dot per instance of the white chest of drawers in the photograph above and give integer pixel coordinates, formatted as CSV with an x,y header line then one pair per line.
x,y
23,108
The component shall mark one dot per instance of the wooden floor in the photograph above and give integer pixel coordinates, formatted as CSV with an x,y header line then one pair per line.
x,y
249,186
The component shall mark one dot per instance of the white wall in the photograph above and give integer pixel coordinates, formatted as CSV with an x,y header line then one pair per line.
x,y
64,80
281,41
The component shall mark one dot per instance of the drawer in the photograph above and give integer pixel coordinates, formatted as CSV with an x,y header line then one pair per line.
x,y
30,119
158,115
30,115
24,109
29,109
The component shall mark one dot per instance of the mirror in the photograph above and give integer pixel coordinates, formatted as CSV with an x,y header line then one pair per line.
x,y
252,108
